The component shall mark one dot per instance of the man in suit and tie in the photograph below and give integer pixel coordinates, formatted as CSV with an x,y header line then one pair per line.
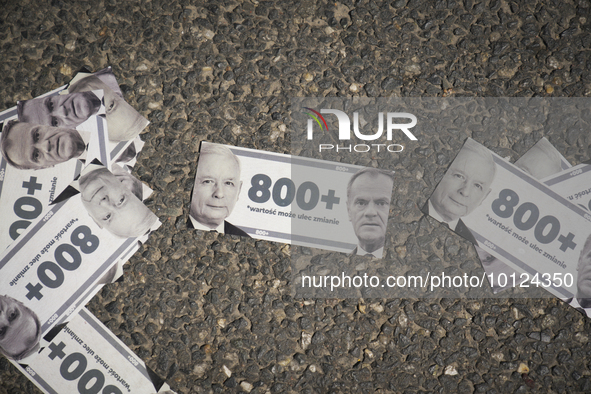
x,y
30,146
216,191
20,329
584,275
368,204
463,188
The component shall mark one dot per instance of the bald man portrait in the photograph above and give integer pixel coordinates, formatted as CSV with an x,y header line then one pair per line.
x,y
463,188
20,329
31,146
113,206
368,205
216,191
123,121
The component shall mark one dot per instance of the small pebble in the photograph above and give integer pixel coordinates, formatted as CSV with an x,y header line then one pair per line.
x,y
451,370
227,371
66,69
246,386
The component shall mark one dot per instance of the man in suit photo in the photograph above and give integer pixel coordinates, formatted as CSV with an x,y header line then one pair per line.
x,y
31,146
463,188
368,204
20,329
216,191
113,206
123,121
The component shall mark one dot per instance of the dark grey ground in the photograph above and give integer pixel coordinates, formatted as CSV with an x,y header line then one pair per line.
x,y
224,71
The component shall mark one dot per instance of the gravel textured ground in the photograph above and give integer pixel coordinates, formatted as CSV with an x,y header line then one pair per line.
x,y
196,305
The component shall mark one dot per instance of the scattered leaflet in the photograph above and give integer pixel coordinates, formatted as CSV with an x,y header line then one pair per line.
x,y
283,198
86,357
25,193
514,217
540,161
60,261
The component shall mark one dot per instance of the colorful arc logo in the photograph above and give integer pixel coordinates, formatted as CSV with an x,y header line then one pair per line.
x,y
316,118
